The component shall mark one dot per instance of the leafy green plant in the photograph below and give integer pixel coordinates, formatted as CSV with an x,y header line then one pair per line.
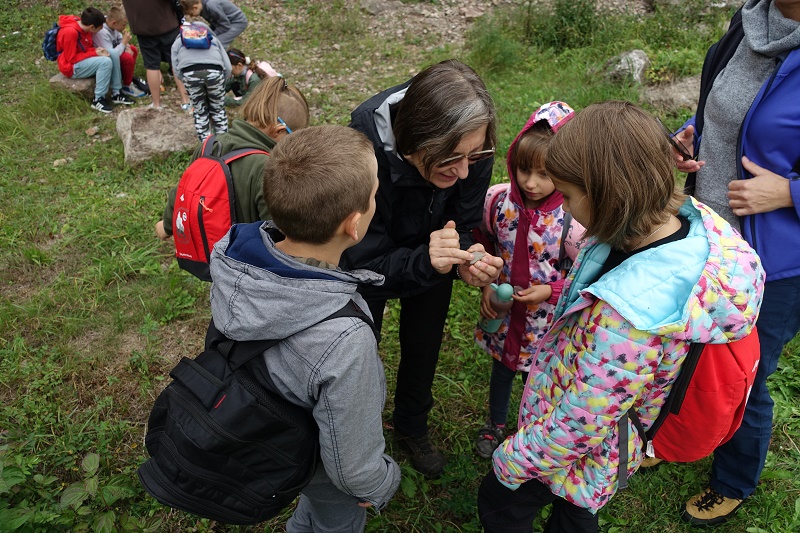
x,y
36,502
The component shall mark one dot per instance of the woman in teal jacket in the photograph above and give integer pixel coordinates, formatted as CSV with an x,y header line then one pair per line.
x,y
658,272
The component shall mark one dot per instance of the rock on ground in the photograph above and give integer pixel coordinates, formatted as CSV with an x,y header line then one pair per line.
x,y
81,86
148,133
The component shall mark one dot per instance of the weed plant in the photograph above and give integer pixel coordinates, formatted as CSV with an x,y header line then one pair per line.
x,y
94,312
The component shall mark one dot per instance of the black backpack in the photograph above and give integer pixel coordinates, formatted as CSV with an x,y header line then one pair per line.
x,y
223,443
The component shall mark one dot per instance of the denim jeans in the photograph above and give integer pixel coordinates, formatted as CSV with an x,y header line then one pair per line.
x,y
500,385
737,464
105,71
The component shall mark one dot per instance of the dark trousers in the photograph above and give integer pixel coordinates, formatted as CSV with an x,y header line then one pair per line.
x,y
738,463
500,385
422,319
503,510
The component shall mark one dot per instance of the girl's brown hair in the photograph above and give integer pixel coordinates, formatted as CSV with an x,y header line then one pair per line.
x,y
618,155
531,148
273,98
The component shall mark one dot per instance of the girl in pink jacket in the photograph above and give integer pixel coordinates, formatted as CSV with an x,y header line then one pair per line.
x,y
523,223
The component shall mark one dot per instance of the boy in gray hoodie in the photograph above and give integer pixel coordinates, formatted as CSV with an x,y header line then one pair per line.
x,y
319,185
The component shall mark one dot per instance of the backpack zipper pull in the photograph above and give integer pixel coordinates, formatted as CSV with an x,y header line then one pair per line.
x,y
203,203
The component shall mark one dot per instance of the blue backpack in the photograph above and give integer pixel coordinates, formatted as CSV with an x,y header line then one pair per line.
x,y
49,49
49,43
195,36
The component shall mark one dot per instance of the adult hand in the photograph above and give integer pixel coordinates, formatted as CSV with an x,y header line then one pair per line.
x,y
533,295
445,249
482,272
486,307
765,191
686,138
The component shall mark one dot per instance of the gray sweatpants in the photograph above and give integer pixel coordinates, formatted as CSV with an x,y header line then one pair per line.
x,y
322,508
206,90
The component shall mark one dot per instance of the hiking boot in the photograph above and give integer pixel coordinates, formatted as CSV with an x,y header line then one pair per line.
x,y
709,508
133,91
489,438
101,104
425,458
650,462
119,98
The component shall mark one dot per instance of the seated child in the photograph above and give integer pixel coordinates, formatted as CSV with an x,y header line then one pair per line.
x,y
523,224
246,75
203,71
79,58
273,109
115,38
225,19
319,185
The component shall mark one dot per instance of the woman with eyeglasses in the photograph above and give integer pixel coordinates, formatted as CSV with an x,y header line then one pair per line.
x,y
434,139
271,112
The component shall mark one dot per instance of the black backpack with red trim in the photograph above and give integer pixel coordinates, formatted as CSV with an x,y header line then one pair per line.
x,y
204,206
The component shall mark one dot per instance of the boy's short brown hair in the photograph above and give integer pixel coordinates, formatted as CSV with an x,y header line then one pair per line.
x,y
317,177
116,14
618,154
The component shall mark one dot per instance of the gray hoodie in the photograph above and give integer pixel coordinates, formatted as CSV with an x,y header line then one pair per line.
x,y
332,368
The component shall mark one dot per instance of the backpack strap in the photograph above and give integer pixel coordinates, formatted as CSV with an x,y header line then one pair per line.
x,y
565,262
230,157
672,404
239,353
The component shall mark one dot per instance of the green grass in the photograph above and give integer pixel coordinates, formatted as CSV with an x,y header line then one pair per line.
x,y
94,312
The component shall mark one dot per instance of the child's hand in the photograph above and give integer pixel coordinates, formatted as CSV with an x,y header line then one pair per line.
x,y
101,52
486,307
160,233
533,295
126,38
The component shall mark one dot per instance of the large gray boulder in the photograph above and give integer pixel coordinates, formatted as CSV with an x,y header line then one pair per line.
x,y
148,133
81,86
627,66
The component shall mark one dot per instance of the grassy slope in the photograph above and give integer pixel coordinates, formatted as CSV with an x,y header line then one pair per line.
x,y
94,312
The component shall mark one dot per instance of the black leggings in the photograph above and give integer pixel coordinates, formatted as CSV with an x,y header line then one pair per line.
x,y
422,319
503,510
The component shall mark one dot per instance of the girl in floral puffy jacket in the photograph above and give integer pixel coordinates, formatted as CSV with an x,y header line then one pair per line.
x,y
657,272
523,223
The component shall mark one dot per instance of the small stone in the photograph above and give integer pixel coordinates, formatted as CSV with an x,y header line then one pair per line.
x,y
92,131
476,256
337,47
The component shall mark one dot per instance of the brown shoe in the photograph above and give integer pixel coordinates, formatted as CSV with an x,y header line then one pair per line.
x,y
709,508
651,462
425,458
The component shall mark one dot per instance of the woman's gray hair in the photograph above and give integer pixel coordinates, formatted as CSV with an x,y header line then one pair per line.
x,y
444,102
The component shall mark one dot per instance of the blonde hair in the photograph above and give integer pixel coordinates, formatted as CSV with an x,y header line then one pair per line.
x,y
116,14
617,153
315,178
273,98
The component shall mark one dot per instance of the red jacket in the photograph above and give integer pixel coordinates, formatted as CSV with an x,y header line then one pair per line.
x,y
74,44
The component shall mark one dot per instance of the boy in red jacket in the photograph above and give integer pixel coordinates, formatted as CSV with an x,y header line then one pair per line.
x,y
79,58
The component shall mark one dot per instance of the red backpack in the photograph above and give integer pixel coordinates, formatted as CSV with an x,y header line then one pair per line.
x,y
204,206
705,406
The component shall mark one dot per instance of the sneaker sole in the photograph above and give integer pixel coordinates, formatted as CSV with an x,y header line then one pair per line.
x,y
700,522
105,111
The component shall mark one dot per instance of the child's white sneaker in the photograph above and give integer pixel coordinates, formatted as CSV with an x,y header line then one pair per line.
x,y
187,107
133,91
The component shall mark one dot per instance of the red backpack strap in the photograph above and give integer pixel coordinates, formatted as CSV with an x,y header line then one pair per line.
x,y
230,157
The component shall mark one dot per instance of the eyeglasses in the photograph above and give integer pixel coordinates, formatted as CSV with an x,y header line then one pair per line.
x,y
282,123
473,157
676,144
